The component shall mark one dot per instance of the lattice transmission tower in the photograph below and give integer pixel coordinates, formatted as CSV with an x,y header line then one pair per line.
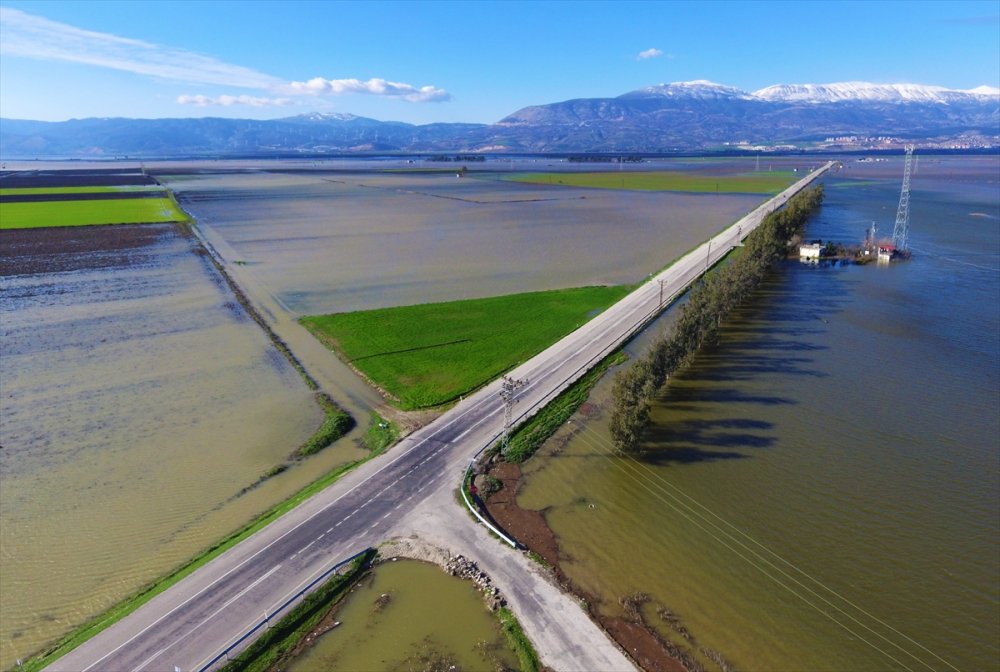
x,y
508,389
901,230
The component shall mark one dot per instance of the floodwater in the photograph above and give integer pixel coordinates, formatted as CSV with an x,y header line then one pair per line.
x,y
821,490
411,615
339,241
138,400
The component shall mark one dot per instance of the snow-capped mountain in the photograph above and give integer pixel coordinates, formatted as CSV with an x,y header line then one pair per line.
x,y
685,116
889,93
700,89
838,92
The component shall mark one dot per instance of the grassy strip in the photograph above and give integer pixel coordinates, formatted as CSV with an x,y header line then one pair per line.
x,y
19,191
742,183
268,649
127,606
430,354
530,436
88,213
336,423
527,657
381,433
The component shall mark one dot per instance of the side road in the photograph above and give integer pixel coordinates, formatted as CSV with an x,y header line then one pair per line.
x,y
409,490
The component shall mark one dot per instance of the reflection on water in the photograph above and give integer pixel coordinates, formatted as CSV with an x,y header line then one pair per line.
x,y
821,490
343,242
411,616
138,399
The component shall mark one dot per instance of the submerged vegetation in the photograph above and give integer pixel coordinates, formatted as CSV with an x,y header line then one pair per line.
x,y
770,182
430,354
708,304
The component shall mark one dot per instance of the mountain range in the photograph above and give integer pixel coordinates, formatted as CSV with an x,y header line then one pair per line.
x,y
682,116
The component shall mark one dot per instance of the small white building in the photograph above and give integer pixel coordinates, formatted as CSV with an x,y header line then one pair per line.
x,y
810,252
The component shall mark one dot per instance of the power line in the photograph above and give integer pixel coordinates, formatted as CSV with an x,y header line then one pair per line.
x,y
633,468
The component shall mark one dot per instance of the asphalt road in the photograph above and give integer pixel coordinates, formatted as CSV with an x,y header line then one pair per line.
x,y
409,490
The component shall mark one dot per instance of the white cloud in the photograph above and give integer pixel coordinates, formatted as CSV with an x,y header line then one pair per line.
x,y
375,86
648,53
30,36
226,101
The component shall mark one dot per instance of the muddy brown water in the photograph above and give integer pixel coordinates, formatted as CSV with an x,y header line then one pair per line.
x,y
341,242
821,490
410,615
138,399
162,399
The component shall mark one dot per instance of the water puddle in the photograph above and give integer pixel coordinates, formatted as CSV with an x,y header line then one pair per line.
x,y
410,615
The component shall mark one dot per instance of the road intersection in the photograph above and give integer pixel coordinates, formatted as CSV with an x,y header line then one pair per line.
x,y
409,491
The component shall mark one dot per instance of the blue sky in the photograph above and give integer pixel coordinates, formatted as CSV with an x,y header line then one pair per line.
x,y
424,62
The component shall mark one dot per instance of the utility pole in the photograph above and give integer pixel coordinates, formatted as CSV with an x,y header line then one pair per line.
x,y
508,389
708,257
661,292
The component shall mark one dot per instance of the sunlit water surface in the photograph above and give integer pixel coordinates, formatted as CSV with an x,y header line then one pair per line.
x,y
138,401
411,616
821,490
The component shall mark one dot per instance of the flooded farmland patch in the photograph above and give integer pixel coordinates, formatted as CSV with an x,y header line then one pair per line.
x,y
138,400
410,615
337,241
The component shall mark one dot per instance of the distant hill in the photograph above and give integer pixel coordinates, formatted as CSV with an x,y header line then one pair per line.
x,y
682,116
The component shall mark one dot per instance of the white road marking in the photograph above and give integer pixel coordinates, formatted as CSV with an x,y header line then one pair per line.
x,y
213,615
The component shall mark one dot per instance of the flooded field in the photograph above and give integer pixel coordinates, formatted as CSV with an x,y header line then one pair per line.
x,y
339,241
821,490
138,400
410,615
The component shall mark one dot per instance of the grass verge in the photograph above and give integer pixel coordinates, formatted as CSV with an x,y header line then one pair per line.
x,y
127,606
283,636
336,423
530,436
740,183
430,354
527,657
381,433
88,213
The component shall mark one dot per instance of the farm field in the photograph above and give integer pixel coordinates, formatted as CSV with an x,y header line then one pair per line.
x,y
125,188
429,354
770,182
328,241
139,400
42,214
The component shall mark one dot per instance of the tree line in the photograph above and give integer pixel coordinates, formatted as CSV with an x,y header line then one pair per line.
x,y
709,302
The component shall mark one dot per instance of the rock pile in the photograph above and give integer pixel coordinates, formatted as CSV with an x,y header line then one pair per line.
x,y
464,568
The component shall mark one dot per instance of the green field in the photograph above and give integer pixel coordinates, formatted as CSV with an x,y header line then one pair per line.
x,y
430,354
27,191
739,183
86,213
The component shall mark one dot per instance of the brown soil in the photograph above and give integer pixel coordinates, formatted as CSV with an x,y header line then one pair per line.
x,y
531,530
74,178
527,527
74,248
